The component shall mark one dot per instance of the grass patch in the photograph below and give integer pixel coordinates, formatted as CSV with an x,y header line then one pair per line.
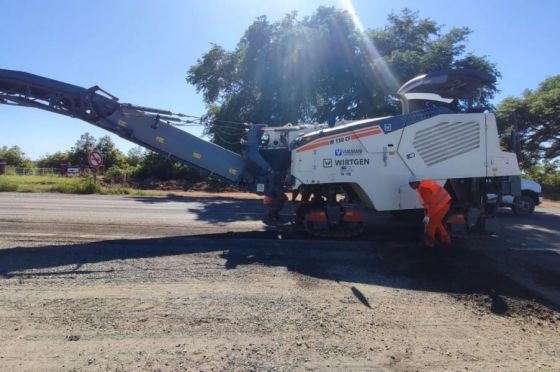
x,y
65,185
84,186
122,190
7,185
41,183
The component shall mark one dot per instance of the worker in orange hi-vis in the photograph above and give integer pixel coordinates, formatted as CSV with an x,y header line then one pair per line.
x,y
436,201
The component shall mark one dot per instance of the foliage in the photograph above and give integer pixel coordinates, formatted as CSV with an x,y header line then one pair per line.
x,y
84,186
536,118
120,174
88,186
548,175
70,185
162,168
7,185
302,70
136,156
15,157
53,160
120,168
111,155
78,155
39,183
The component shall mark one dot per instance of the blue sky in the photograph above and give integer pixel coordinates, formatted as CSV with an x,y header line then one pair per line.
x,y
140,50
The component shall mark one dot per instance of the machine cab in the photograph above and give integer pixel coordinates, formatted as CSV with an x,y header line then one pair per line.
x,y
444,88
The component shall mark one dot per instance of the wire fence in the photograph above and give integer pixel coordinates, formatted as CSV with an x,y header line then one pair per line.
x,y
32,171
66,171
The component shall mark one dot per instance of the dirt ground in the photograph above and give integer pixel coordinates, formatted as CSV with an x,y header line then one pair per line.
x,y
196,283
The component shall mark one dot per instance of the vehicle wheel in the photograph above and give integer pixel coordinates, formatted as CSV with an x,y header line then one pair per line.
x,y
523,205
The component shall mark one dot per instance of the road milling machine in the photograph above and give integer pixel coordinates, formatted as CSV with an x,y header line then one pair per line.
x,y
337,170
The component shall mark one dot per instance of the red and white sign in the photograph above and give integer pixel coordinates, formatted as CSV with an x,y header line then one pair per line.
x,y
95,159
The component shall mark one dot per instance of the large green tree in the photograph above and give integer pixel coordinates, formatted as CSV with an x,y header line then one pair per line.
x,y
78,155
14,157
53,160
160,167
303,70
111,155
535,118
136,156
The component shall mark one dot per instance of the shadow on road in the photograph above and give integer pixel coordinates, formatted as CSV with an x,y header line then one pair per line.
x,y
396,263
220,210
539,230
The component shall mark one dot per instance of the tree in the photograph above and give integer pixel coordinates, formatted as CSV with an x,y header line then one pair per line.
x,y
535,117
78,154
411,46
15,157
303,70
160,167
54,160
111,155
136,156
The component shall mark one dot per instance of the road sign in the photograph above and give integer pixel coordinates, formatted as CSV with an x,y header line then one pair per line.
x,y
73,172
95,159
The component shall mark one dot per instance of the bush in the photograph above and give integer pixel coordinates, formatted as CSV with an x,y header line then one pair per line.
x,y
6,185
120,190
117,174
89,187
548,175
54,160
15,157
86,186
160,167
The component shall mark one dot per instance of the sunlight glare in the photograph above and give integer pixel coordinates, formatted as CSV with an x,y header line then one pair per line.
x,y
377,63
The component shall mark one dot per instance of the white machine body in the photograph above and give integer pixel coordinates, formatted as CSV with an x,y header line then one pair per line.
x,y
377,160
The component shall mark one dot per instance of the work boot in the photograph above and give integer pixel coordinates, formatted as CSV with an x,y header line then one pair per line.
x,y
429,241
446,242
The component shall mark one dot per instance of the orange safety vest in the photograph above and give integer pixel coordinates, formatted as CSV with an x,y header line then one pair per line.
x,y
433,196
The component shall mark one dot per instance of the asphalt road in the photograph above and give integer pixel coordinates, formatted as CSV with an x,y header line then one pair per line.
x,y
172,283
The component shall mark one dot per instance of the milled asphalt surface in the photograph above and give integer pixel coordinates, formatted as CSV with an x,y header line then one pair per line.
x,y
87,279
526,248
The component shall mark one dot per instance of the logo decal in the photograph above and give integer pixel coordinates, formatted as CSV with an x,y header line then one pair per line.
x,y
348,152
387,127
327,163
347,162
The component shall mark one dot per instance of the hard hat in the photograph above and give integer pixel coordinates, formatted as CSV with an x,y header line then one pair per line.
x,y
413,179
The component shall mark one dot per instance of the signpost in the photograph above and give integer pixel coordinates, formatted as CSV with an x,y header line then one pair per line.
x,y
95,159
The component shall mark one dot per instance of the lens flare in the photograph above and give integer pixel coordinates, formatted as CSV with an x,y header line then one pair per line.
x,y
380,69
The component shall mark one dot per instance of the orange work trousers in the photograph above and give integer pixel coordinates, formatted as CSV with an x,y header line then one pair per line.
x,y
435,225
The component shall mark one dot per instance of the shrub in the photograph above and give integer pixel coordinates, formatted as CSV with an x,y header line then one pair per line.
x,y
117,174
119,190
548,175
6,185
86,186
160,167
